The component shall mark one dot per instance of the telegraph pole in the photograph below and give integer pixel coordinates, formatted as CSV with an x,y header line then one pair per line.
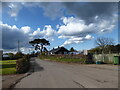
x,y
18,46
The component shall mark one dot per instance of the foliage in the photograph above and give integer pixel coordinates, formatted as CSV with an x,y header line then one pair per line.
x,y
65,58
95,50
15,66
72,49
89,59
18,55
39,44
110,49
11,55
23,64
104,43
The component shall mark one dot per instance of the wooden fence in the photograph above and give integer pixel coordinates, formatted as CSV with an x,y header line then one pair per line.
x,y
106,58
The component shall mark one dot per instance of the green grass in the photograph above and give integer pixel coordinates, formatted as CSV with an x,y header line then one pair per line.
x,y
8,67
64,59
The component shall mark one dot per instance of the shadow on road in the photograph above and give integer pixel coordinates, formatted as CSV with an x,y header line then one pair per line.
x,y
35,67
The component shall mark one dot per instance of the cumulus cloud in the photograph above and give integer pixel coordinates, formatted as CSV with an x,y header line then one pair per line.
x,y
48,32
11,35
75,30
26,29
89,18
77,40
74,27
26,50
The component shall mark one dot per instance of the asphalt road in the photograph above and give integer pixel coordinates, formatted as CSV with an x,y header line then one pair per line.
x,y
58,75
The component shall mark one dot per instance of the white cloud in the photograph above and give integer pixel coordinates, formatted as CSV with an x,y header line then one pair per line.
x,y
26,29
88,37
57,26
76,30
48,32
75,27
26,50
14,9
11,35
77,40
37,32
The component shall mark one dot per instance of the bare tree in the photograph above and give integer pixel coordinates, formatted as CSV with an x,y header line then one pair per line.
x,y
104,43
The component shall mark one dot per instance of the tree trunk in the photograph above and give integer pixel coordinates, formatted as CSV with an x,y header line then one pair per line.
x,y
41,49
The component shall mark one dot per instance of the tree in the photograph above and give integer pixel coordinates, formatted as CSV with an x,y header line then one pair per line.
x,y
72,49
117,48
18,55
11,55
39,44
95,50
104,43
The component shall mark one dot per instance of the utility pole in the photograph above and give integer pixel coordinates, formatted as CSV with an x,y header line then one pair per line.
x,y
18,46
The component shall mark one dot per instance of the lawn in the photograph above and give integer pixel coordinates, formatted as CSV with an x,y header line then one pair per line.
x,y
8,67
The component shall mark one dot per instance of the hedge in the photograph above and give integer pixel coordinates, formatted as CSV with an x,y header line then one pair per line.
x,y
23,64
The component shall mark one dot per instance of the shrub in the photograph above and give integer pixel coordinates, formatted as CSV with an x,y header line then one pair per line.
x,y
23,64
89,59
66,58
11,55
18,55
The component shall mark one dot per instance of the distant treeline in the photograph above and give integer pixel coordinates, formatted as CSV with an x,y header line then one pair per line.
x,y
107,50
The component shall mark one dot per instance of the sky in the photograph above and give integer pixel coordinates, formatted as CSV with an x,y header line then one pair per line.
x,y
76,24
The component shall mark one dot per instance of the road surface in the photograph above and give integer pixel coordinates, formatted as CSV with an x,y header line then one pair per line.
x,y
58,75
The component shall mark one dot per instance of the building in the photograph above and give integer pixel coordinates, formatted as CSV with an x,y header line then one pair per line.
x,y
85,52
59,50
5,56
75,52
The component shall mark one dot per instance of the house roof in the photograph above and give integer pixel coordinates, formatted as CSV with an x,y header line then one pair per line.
x,y
57,49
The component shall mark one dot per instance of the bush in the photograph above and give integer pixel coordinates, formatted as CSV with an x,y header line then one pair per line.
x,y
27,56
89,59
23,64
66,58
18,55
11,55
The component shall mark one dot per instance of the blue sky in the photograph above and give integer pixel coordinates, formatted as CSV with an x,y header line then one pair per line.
x,y
75,25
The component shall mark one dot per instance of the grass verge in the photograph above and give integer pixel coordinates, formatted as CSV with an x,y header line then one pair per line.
x,y
64,59
8,67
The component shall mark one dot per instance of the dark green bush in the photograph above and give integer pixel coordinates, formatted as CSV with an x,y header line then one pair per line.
x,y
18,55
23,64
11,55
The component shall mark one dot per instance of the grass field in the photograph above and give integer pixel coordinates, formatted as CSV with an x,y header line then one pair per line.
x,y
8,67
